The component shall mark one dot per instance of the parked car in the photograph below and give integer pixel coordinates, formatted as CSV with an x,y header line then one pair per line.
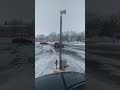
x,y
44,43
21,41
57,45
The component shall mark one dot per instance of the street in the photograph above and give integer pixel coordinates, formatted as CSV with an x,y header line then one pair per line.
x,y
46,55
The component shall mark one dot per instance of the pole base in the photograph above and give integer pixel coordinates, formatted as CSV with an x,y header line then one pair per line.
x,y
58,71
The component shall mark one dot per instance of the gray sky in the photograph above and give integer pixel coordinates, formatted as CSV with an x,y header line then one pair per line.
x,y
47,16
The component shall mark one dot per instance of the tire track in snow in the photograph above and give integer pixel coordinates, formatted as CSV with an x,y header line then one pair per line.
x,y
74,63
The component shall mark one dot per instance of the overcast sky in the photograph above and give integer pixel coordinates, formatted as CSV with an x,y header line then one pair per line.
x,y
47,16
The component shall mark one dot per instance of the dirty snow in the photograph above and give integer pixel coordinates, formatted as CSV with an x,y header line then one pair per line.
x,y
46,55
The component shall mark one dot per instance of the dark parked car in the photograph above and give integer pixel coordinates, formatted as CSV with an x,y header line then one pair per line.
x,y
61,81
57,45
44,43
21,41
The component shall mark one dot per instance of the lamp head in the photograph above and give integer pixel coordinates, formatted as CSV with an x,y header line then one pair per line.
x,y
63,12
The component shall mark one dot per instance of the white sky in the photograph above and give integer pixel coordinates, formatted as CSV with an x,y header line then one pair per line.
x,y
47,16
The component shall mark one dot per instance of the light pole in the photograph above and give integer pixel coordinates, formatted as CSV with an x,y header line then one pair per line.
x,y
60,60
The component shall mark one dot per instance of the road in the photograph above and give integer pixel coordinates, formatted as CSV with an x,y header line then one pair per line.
x,y
46,55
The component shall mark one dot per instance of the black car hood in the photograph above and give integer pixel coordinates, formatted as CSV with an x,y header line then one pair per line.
x,y
60,81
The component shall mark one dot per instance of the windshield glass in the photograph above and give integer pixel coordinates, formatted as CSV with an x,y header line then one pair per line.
x,y
59,36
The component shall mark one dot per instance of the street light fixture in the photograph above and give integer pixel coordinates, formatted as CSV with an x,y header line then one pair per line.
x,y
63,12
60,60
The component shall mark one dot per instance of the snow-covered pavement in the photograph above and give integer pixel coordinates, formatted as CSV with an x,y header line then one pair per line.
x,y
46,55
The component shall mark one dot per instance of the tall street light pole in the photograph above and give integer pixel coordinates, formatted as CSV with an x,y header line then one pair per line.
x,y
60,60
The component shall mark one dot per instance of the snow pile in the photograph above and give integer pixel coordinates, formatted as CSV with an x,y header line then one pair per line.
x,y
75,43
45,58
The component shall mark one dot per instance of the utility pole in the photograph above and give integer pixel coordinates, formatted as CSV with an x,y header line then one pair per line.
x,y
60,58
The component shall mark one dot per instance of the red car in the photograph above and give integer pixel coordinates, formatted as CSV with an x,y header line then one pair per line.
x,y
44,43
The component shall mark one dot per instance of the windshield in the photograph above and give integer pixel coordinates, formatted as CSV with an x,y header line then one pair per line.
x,y
62,26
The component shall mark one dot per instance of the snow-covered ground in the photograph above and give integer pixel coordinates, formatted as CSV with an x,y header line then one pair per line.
x,y
75,43
46,55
